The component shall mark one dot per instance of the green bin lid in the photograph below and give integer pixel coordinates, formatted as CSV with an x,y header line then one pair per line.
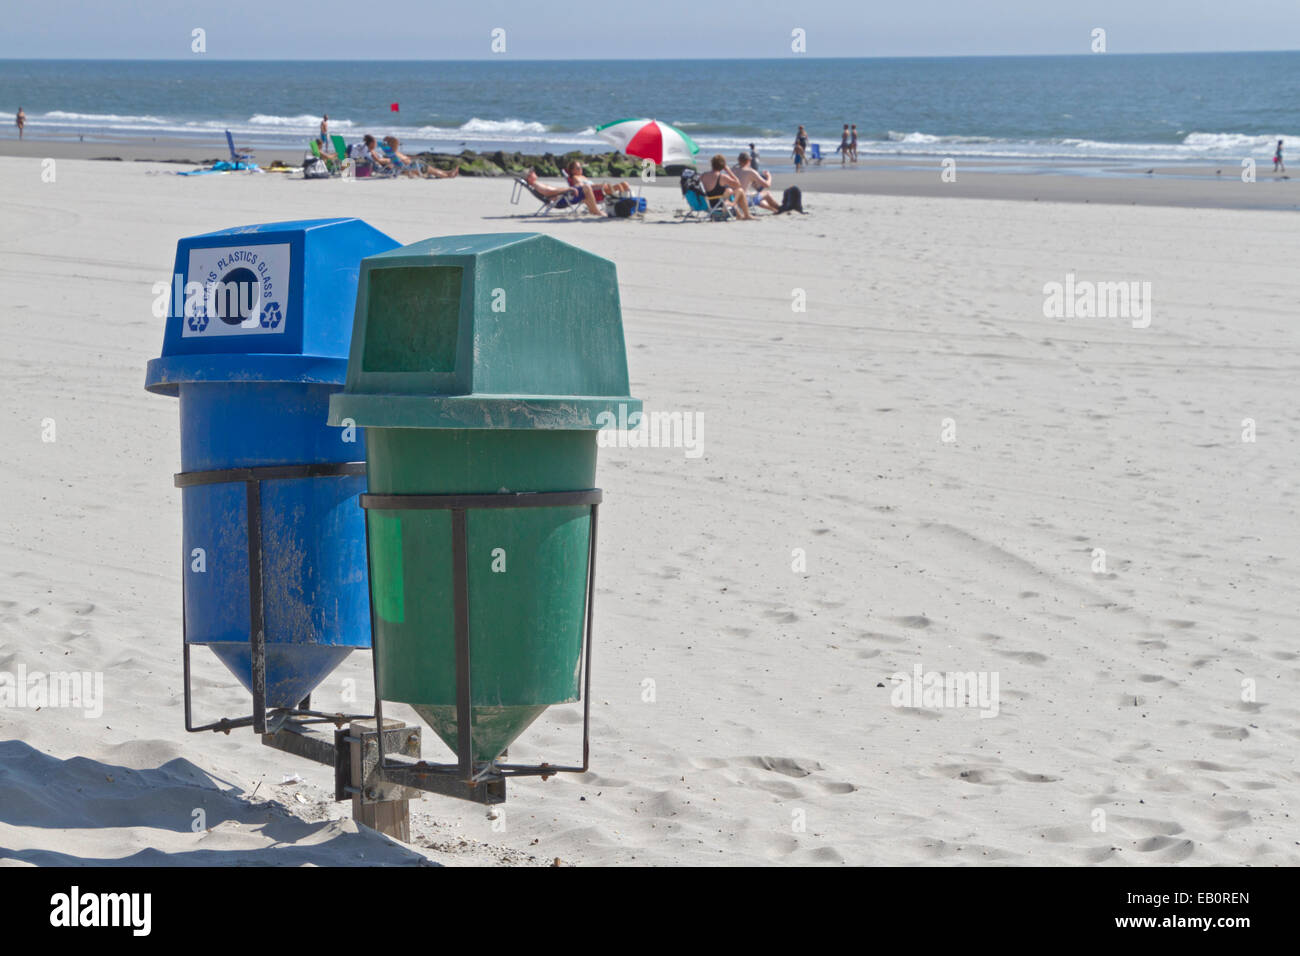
x,y
513,330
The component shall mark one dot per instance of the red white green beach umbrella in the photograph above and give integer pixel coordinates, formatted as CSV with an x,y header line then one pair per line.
x,y
650,139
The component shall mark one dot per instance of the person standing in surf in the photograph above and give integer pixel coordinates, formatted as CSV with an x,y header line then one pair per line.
x,y
853,142
325,128
845,145
800,150
1278,165
20,121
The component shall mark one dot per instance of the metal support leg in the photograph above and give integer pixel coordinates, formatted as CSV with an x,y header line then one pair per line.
x,y
460,593
256,611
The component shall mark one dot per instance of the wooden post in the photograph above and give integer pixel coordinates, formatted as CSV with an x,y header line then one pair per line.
x,y
390,817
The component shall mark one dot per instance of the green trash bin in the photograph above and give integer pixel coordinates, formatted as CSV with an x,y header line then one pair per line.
x,y
480,368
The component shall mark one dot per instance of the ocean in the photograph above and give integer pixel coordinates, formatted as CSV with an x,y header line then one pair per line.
x,y
1170,108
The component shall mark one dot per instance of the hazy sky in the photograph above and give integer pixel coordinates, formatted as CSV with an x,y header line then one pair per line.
x,y
428,29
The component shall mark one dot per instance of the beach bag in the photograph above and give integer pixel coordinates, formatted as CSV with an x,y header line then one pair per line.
x,y
791,200
315,168
623,208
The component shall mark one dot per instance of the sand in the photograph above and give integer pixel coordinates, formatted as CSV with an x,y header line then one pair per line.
x,y
755,601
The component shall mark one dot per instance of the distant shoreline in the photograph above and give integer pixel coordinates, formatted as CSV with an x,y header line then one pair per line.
x,y
1193,186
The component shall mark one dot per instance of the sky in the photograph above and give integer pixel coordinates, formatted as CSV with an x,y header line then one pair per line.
x,y
626,29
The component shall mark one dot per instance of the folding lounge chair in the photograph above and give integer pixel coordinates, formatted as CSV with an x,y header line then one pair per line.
x,y
363,169
566,202
398,166
816,155
341,151
331,164
701,206
238,156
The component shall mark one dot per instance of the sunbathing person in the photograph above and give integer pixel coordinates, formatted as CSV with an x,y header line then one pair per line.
x,y
371,153
583,193
393,148
760,183
725,186
601,190
326,151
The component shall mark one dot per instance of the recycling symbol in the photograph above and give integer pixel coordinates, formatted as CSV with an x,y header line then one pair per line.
x,y
198,322
271,316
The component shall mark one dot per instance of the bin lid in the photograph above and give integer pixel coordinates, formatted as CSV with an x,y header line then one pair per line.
x,y
270,302
511,330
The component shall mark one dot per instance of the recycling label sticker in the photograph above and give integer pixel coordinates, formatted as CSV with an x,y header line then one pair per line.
x,y
237,290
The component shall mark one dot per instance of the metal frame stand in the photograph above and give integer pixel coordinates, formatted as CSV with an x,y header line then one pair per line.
x,y
252,479
375,776
466,774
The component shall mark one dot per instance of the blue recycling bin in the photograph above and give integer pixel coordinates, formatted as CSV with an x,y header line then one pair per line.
x,y
256,341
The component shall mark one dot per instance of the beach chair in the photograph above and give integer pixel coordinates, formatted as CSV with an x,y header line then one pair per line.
x,y
364,169
331,164
700,206
398,166
341,151
816,155
567,203
238,156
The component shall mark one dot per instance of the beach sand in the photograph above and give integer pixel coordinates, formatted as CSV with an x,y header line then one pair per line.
x,y
741,699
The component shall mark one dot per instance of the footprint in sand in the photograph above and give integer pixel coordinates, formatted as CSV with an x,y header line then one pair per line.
x,y
1160,828
1170,850
877,636
914,620
1156,678
789,766
1025,657
782,617
1224,732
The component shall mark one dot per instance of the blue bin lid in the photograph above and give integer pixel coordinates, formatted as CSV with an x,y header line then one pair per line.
x,y
271,302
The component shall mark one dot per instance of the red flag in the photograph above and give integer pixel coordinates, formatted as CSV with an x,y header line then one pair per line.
x,y
393,107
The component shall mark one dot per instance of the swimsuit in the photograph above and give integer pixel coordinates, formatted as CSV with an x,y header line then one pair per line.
x,y
597,193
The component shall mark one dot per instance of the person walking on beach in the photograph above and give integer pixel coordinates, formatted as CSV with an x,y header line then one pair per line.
x,y
853,142
325,128
800,149
844,146
1278,165
20,121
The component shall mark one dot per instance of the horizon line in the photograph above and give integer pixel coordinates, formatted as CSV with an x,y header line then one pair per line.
x,y
640,59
